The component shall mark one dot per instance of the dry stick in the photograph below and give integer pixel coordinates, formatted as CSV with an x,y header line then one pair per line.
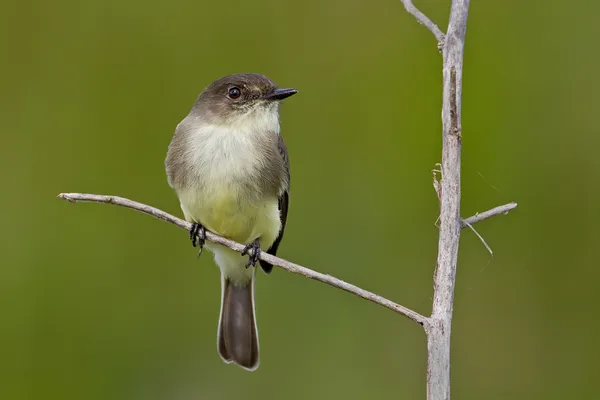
x,y
490,213
465,222
440,323
487,246
422,19
286,265
468,223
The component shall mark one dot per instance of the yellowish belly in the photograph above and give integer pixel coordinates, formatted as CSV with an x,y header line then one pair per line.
x,y
225,212
227,217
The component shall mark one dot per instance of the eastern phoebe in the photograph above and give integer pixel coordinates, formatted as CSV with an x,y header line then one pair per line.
x,y
230,169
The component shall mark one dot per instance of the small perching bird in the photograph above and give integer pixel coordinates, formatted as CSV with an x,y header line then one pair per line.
x,y
230,169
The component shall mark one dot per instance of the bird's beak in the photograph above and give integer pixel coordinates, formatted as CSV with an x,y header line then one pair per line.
x,y
280,94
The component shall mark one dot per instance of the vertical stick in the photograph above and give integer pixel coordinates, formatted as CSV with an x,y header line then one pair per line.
x,y
438,331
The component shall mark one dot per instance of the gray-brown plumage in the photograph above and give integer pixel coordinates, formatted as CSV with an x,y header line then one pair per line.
x,y
230,169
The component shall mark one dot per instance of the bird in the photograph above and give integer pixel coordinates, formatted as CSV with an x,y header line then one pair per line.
x,y
229,166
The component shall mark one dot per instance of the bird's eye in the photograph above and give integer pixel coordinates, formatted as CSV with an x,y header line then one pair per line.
x,y
234,93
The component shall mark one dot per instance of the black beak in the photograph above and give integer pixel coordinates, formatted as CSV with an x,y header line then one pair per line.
x,y
280,94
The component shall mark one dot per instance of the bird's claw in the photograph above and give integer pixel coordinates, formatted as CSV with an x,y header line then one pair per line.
x,y
198,235
254,256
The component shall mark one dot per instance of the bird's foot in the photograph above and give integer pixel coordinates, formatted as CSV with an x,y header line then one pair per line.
x,y
255,255
198,235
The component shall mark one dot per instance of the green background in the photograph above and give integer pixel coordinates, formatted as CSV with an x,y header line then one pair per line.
x,y
99,302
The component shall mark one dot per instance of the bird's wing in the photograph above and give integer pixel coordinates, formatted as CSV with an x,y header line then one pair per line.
x,y
284,200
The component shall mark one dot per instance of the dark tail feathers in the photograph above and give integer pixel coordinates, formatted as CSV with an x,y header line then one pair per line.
x,y
237,335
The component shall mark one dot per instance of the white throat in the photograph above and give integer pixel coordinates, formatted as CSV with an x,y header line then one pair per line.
x,y
229,149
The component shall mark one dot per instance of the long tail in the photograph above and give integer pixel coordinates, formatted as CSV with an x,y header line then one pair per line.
x,y
237,335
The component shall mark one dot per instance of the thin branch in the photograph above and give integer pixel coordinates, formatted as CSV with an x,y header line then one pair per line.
x,y
468,223
489,213
464,223
424,20
286,265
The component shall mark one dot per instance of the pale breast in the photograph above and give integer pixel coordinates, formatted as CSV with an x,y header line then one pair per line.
x,y
231,186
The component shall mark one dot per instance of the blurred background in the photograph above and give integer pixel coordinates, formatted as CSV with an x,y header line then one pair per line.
x,y
100,302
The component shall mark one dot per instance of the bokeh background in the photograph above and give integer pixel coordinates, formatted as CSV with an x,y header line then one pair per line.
x,y
99,302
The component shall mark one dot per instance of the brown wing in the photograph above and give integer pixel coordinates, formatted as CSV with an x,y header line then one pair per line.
x,y
284,200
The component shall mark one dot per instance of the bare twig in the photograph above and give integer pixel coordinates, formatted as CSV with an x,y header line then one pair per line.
x,y
468,223
464,223
438,334
424,20
489,213
286,265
